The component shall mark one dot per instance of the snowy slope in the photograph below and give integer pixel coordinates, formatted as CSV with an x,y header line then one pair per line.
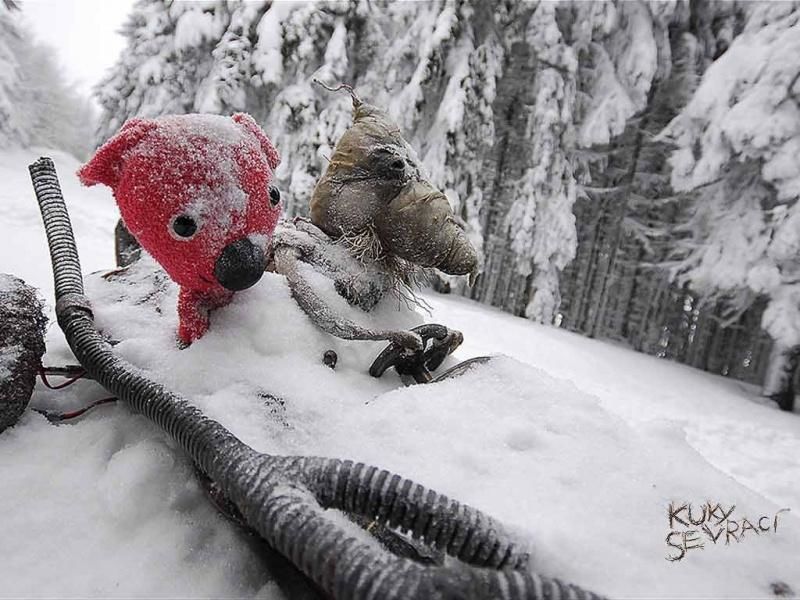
x,y
577,444
22,250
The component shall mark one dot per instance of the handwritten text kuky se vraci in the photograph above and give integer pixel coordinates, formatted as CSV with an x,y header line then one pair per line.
x,y
692,527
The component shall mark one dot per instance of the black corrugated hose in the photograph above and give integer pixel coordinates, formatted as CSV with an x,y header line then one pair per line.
x,y
284,498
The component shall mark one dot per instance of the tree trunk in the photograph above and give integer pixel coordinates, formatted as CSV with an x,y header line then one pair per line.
x,y
779,378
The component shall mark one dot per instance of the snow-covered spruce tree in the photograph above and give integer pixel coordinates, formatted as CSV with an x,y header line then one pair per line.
x,y
628,92
737,142
154,74
528,227
617,287
625,54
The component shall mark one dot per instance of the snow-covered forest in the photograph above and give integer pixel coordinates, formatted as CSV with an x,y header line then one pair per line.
x,y
37,106
625,168
627,171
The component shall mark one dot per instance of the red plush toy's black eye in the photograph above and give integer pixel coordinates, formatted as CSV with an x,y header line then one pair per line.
x,y
183,227
274,195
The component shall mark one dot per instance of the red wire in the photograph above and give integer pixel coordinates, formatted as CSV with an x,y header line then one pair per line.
x,y
77,413
52,416
60,386
55,417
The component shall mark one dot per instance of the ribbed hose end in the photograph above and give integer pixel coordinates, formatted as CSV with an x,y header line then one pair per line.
x,y
67,278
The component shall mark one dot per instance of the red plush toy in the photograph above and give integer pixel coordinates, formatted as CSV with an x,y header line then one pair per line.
x,y
195,191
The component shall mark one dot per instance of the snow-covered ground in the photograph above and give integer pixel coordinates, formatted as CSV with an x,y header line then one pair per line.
x,y
577,444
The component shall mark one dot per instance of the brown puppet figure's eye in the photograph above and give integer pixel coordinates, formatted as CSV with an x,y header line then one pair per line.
x,y
183,227
274,195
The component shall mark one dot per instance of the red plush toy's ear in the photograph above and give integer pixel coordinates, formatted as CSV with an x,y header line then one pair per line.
x,y
248,123
106,165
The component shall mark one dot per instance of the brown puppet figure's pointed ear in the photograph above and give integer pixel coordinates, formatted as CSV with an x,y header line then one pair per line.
x,y
106,165
249,124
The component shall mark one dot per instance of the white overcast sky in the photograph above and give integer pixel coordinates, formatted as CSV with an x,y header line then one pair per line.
x,y
83,33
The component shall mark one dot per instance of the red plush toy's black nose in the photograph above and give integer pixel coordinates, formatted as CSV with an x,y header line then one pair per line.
x,y
240,265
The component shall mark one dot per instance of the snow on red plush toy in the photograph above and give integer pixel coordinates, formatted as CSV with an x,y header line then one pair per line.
x,y
195,191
